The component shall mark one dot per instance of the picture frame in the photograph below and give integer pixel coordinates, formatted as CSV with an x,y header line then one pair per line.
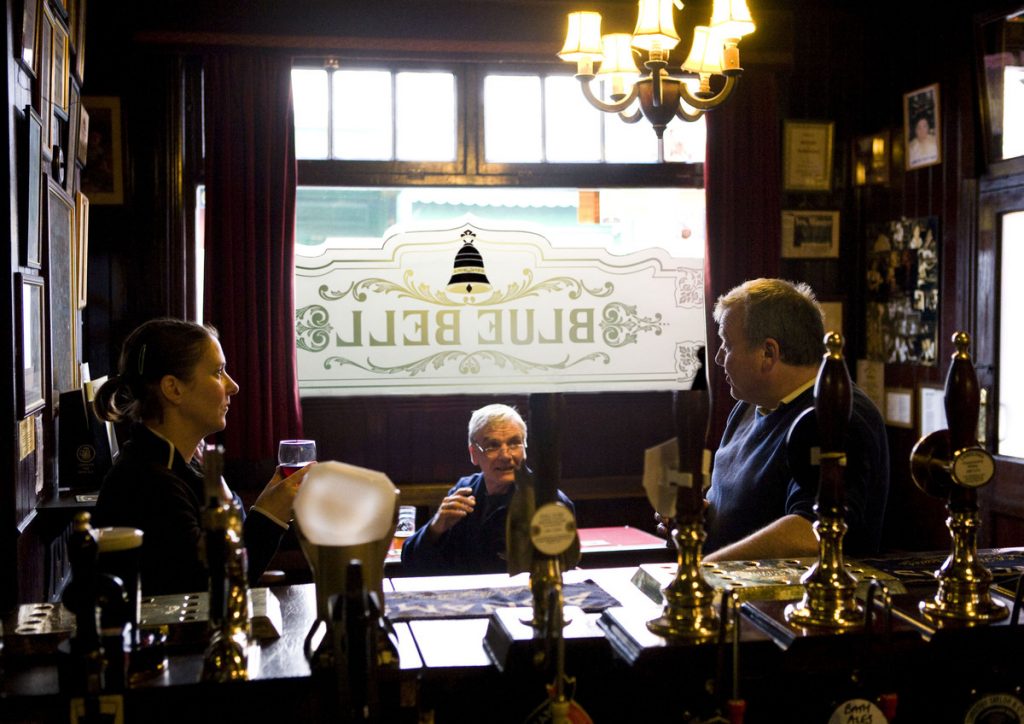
x,y
28,55
899,407
807,148
81,258
29,190
82,148
43,97
63,295
60,70
922,127
78,37
810,234
931,408
71,139
102,177
30,334
871,159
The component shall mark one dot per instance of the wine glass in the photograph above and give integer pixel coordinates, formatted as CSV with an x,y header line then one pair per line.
x,y
295,454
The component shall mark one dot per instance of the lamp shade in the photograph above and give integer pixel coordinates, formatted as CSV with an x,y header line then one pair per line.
x,y
706,52
655,29
617,54
731,18
582,37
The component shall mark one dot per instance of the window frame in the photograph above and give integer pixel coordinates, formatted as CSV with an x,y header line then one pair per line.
x,y
470,168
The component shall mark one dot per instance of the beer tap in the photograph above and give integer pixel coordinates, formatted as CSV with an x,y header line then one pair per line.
x,y
951,464
226,657
829,599
84,652
689,613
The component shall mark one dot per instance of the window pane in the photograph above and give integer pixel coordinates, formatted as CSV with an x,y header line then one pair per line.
x,y
1011,346
362,115
630,142
572,125
425,112
309,96
512,118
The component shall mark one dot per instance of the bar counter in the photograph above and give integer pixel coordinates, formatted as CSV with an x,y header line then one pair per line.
x,y
467,667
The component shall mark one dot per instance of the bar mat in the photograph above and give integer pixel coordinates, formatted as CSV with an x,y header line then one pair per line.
x,y
481,602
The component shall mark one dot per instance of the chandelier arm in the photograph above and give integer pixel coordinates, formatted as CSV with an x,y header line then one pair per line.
x,y
616,107
706,104
633,117
684,115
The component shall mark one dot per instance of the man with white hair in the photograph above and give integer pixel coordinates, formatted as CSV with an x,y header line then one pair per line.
x,y
467,533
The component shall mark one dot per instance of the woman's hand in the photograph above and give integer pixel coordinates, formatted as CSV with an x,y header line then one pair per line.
x,y
277,497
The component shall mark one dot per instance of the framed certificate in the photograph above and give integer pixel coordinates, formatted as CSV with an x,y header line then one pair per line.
x,y
807,155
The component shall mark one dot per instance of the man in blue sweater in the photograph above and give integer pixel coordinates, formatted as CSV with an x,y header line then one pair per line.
x,y
771,347
467,533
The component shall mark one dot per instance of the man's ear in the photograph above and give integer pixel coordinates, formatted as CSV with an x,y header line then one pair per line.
x,y
771,354
472,455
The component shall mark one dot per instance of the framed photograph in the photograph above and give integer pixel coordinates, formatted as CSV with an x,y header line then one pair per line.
x,y
810,234
931,407
81,258
71,140
29,22
807,155
871,159
63,295
921,127
899,407
82,148
60,70
78,37
29,187
833,312
102,176
30,338
43,88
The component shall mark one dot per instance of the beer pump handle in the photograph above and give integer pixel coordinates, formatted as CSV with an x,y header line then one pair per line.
x,y
833,404
962,396
691,408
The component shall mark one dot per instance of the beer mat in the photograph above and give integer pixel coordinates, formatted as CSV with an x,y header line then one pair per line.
x,y
1005,565
482,602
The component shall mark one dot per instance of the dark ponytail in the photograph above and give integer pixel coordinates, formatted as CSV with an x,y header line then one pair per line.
x,y
159,347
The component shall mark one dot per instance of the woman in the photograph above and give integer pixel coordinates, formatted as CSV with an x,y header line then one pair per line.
x,y
173,387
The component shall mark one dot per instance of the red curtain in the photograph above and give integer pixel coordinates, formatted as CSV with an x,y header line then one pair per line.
x,y
250,243
743,178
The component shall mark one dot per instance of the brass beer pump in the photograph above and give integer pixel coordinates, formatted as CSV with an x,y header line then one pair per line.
x,y
689,613
951,464
829,599
226,657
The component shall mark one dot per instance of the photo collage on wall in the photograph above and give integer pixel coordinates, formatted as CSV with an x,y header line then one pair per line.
x,y
903,291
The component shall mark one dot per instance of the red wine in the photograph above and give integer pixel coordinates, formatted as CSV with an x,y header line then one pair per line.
x,y
287,470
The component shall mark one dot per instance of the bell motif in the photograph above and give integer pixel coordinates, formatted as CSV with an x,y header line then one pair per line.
x,y
468,275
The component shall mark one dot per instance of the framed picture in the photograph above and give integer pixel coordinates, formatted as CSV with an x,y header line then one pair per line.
x,y
899,407
871,159
29,21
60,70
63,295
30,338
921,127
81,257
43,88
71,141
807,155
810,234
29,187
102,176
78,37
931,407
82,148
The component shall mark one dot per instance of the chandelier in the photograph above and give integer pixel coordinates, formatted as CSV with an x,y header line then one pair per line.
x,y
662,95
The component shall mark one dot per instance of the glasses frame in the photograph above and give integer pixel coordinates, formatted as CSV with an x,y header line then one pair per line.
x,y
514,447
